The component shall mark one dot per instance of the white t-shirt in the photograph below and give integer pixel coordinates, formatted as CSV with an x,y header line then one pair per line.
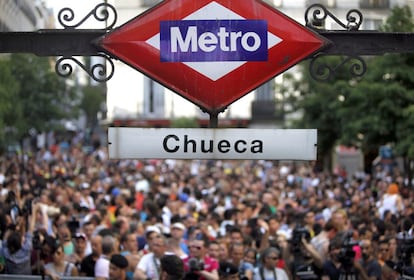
x,y
150,265
102,267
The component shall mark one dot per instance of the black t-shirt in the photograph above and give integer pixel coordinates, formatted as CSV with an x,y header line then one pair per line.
x,y
373,268
303,270
88,266
330,269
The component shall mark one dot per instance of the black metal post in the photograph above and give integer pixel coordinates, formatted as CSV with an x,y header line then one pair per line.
x,y
213,120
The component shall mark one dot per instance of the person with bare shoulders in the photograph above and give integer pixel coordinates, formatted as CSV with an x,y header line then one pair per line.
x,y
129,245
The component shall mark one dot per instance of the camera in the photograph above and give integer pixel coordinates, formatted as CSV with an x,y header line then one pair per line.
x,y
405,251
27,207
297,235
36,241
346,254
195,265
405,248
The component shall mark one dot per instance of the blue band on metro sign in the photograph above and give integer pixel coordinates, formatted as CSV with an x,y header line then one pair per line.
x,y
213,40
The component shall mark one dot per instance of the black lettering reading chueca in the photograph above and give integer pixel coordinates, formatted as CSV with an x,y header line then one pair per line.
x,y
173,144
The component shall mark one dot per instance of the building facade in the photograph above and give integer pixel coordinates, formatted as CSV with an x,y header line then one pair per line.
x,y
24,15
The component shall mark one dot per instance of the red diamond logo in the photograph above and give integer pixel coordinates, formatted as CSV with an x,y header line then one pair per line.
x,y
212,52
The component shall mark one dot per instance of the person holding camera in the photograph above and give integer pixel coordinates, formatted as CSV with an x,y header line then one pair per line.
x,y
236,254
199,265
341,263
306,262
17,244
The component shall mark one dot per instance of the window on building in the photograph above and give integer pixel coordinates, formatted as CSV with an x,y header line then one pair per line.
x,y
326,3
371,24
374,4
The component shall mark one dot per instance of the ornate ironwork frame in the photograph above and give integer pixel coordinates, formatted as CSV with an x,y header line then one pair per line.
x,y
315,18
72,41
98,71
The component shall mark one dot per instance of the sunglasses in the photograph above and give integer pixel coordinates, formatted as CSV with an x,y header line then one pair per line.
x,y
196,247
273,258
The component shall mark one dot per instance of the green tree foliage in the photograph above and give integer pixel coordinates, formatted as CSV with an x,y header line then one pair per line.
x,y
10,109
38,96
320,103
380,104
92,99
368,112
184,122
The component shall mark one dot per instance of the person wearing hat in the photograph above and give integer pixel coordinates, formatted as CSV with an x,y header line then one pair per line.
x,y
149,265
79,251
86,199
151,233
118,265
176,243
172,268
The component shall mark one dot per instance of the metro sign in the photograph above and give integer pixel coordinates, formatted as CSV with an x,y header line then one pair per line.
x,y
212,52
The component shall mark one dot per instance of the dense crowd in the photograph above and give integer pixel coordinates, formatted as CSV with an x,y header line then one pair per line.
x,y
69,211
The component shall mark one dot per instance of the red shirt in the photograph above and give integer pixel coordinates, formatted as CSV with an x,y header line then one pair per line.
x,y
210,264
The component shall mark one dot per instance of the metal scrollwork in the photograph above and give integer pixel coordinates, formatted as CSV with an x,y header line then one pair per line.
x,y
102,12
98,71
323,72
316,15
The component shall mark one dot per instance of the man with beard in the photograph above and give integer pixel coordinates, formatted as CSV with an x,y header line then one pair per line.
x,y
368,261
341,263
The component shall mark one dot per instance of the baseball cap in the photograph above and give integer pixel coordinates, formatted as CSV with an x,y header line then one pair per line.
x,y
80,235
179,226
152,229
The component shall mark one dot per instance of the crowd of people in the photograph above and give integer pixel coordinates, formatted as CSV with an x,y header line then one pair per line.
x,y
68,211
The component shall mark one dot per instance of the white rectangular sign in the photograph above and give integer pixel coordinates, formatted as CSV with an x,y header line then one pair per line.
x,y
205,143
